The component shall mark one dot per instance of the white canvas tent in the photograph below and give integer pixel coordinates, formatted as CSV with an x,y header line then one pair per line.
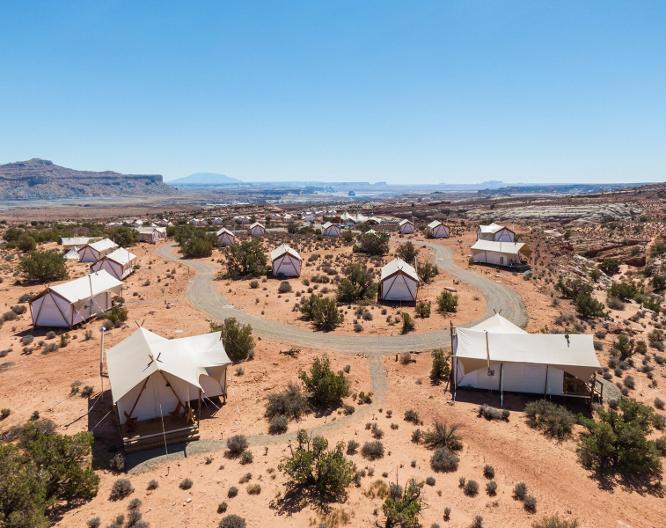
x,y
330,230
286,261
399,282
498,253
406,227
257,230
497,355
152,376
152,234
495,232
74,242
437,230
71,254
96,250
119,263
70,303
224,237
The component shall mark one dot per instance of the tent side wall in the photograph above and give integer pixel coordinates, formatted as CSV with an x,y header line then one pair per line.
x,y
516,377
504,235
51,310
407,229
286,266
398,287
87,254
91,307
493,257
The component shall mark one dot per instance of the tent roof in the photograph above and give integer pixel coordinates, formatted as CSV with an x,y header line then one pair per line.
x,y
144,353
74,241
574,352
103,245
71,254
510,248
397,265
405,221
282,249
121,256
81,288
434,224
151,229
223,230
490,228
326,225
257,224
497,323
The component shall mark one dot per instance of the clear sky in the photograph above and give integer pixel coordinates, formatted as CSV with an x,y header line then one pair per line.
x,y
408,91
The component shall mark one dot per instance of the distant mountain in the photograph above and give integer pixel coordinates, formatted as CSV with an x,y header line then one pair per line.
x,y
205,179
38,179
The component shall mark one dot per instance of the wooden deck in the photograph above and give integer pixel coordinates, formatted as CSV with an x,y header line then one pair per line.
x,y
150,433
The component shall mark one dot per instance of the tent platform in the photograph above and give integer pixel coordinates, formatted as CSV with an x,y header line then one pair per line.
x,y
150,433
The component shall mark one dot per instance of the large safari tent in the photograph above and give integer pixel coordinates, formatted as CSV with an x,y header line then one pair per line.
x,y
119,263
286,261
399,282
70,303
506,254
497,355
158,385
224,237
96,250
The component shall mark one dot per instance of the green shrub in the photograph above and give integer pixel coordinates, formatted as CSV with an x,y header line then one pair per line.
x,y
554,420
26,243
246,259
121,488
407,322
232,521
407,252
197,247
236,445
554,522
357,285
618,441
588,306
284,287
185,484
447,302
440,369
124,236
443,435
290,403
520,491
427,272
325,387
610,266
43,266
402,507
373,450
423,309
322,311
471,488
376,244
444,459
237,339
313,468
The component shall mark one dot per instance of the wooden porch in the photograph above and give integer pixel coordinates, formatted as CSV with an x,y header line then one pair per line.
x,y
159,432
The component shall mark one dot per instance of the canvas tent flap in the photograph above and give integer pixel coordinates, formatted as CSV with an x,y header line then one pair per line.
x,y
144,353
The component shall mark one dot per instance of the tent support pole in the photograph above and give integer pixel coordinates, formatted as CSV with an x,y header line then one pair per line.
x,y
199,409
545,385
501,384
143,387
172,390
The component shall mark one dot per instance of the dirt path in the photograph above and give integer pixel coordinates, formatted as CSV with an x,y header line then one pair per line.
x,y
204,296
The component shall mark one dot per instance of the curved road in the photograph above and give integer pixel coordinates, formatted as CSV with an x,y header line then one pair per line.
x,y
203,295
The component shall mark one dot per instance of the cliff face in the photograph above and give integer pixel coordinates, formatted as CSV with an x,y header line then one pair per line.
x,y
38,179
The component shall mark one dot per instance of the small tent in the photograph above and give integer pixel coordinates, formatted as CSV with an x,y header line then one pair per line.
x,y
119,263
330,230
437,230
71,254
257,230
74,242
224,237
497,355
96,250
152,234
399,282
495,232
70,303
506,254
286,261
155,378
406,227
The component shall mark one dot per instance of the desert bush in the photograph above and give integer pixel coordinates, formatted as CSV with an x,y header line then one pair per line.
x,y
93,522
492,413
232,521
423,309
316,469
402,507
554,420
152,485
246,259
290,403
246,457
588,306
471,488
610,266
412,416
427,272
254,489
237,339
117,463
197,247
43,266
4,413
236,445
443,435
374,244
530,503
284,287
322,311
352,447
440,369
407,322
520,491
325,387
489,472
121,488
278,424
430,481
373,450
447,302
618,441
554,522
444,459
357,285
185,484
491,488
407,252
232,492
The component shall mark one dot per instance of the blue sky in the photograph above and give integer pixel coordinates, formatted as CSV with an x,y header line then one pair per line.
x,y
442,91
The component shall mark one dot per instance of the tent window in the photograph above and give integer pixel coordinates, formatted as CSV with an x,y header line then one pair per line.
x,y
572,385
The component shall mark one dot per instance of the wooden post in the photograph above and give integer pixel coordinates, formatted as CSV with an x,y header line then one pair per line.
x,y
545,385
501,384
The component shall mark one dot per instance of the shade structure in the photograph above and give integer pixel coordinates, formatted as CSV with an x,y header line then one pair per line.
x,y
497,355
69,303
150,374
